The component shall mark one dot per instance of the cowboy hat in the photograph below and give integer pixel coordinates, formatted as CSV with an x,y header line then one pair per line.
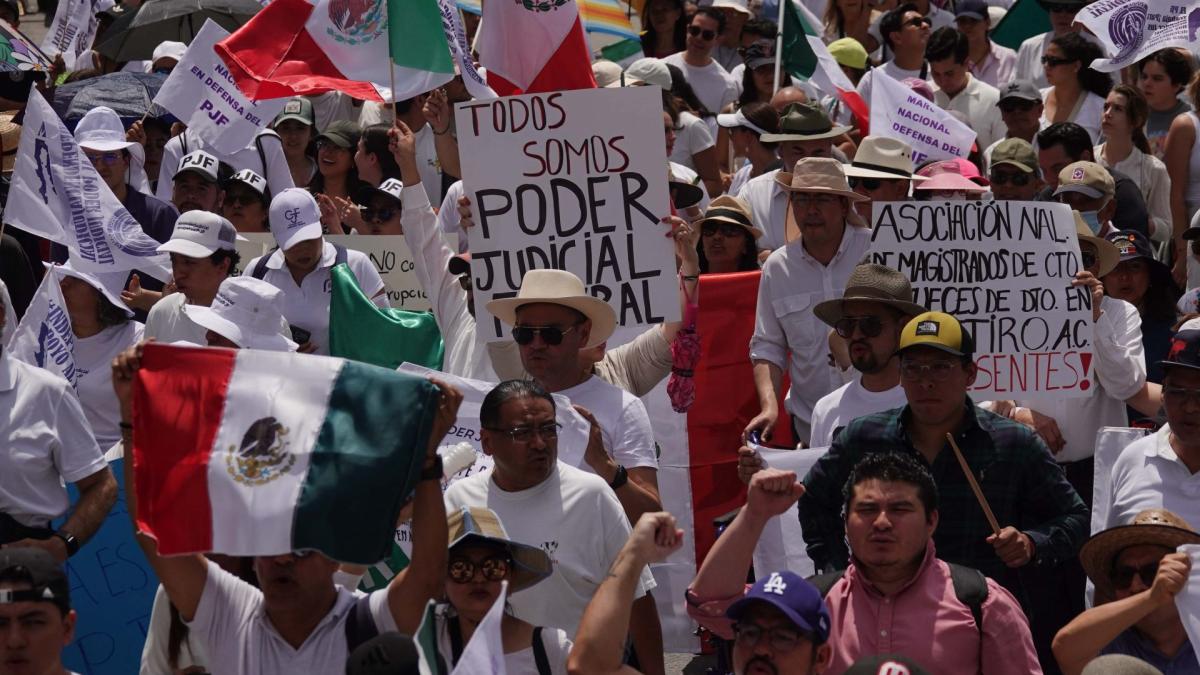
x,y
558,287
883,157
475,524
730,209
818,174
1152,527
1107,255
871,283
804,122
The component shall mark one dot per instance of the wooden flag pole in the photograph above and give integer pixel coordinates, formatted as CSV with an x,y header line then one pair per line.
x,y
983,502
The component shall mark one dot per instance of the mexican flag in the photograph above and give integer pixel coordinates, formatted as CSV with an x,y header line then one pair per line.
x,y
250,453
361,331
533,46
805,56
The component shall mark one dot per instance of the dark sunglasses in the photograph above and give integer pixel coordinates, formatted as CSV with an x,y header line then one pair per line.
x,y
462,571
1016,106
1122,576
870,326
1017,179
378,215
551,335
1055,61
919,21
696,31
726,229
1089,259
868,184
243,198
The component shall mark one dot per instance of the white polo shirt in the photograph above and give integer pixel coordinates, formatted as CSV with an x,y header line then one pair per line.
x,y
44,440
167,322
1149,475
307,305
624,423
979,102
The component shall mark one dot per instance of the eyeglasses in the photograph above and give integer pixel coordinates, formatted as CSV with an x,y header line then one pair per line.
x,y
551,335
546,432
1055,61
1010,106
781,638
1122,576
919,21
243,198
870,326
1089,259
1004,178
378,215
813,199
462,571
696,31
726,229
1181,394
105,157
938,371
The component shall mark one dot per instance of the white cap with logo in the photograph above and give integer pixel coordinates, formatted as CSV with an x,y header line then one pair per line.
x,y
199,234
199,162
245,312
295,217
252,179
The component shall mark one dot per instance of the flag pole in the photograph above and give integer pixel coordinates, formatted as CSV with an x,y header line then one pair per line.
x,y
779,45
983,502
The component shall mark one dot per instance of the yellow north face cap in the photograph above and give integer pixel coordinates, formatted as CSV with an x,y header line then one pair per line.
x,y
938,330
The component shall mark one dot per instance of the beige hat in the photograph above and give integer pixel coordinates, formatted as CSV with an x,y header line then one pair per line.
x,y
730,209
558,287
871,283
476,524
607,73
1087,178
1152,527
818,174
883,157
1108,255
10,138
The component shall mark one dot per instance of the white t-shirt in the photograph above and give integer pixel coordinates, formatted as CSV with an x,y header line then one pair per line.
x,y
576,519
154,652
624,423
233,627
307,305
93,363
692,137
167,322
330,107
522,662
277,173
837,408
712,83
45,439
898,74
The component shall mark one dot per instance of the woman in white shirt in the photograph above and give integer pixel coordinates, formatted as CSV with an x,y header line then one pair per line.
x,y
1076,92
1128,151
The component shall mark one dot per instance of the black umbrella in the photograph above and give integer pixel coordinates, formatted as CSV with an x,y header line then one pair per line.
x,y
129,94
178,20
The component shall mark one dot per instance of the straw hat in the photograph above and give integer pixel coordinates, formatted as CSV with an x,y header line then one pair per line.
x,y
871,283
10,138
730,209
1107,255
804,122
558,287
883,157
475,524
1152,527
818,174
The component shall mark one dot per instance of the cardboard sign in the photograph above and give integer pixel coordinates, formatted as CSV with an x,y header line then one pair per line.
x,y
1004,270
1134,29
902,113
572,180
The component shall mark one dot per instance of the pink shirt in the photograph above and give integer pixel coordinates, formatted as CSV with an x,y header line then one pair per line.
x,y
997,67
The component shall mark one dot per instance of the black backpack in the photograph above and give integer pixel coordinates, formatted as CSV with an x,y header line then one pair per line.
x,y
970,587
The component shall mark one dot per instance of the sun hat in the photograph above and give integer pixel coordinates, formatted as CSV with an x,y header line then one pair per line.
x,y
199,234
246,312
109,284
883,157
1107,255
804,122
798,599
939,331
818,174
476,524
849,52
10,141
1151,527
101,130
737,119
948,175
871,283
730,209
294,217
558,287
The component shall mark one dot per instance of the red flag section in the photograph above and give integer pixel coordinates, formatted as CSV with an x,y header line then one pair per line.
x,y
533,57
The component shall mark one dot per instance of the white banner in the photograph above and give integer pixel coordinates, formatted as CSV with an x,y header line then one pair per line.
x,y
902,113
560,181
202,94
1131,30
1004,270
781,546
460,51
73,30
44,337
57,194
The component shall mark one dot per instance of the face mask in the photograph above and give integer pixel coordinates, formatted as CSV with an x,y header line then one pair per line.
x,y
1092,218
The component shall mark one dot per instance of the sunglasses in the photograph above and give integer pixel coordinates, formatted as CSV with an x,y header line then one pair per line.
x,y
726,229
243,198
1017,179
868,184
1122,576
696,31
378,215
870,326
1089,259
1055,61
919,21
462,571
551,335
105,157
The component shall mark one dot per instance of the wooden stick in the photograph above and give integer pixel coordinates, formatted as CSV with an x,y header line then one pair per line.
x,y
983,502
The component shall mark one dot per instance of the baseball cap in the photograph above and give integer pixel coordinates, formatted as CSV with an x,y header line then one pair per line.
x,y
737,119
250,178
849,52
1086,178
886,664
391,187
1016,152
200,162
1184,351
1022,89
294,217
199,234
799,601
971,9
939,331
246,312
167,50
607,73
342,133
299,109
759,54
648,71
46,579
740,6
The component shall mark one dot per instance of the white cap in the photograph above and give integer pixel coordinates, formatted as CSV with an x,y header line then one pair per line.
x,y
200,162
101,130
168,50
109,284
607,73
737,119
249,177
741,6
245,312
295,217
199,234
648,70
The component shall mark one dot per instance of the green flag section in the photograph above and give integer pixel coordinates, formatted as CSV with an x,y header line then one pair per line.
x,y
799,59
805,56
361,331
1024,19
416,37
619,51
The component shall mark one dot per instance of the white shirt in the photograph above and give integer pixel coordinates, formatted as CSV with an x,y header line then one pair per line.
x,y
1149,475
768,209
521,662
576,519
740,178
154,652
979,102
307,305
624,423
997,67
1150,175
786,332
44,440
1087,113
836,409
240,640
1029,60
712,83
93,364
1118,372
168,323
693,137
277,173
330,107
898,74
428,164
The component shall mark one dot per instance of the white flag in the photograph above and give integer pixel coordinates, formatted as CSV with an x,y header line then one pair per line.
x,y
74,29
44,337
10,317
57,194
460,51
902,113
484,652
202,94
1133,29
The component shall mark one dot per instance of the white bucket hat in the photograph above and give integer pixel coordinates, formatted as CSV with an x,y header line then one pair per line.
x,y
295,217
101,130
110,284
246,312
558,287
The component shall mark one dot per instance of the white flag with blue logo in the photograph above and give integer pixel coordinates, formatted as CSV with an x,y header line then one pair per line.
x,y
1131,30
44,337
57,194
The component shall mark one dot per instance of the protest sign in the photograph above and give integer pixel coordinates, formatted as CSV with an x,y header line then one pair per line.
x,y
1003,269
73,30
394,261
250,246
571,180
902,113
202,94
781,546
1131,30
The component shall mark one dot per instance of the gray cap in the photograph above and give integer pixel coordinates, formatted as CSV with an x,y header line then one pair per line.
x,y
1022,89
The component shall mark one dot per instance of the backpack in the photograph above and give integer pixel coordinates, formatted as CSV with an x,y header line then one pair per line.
x,y
260,267
970,587
262,154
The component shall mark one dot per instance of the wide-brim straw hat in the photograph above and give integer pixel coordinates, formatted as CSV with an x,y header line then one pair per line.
x,y
558,287
804,122
1107,255
818,174
871,283
475,524
1152,527
883,157
730,209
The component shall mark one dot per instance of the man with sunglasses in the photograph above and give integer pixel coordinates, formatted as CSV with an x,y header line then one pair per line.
x,y
711,82
882,171
1013,171
904,33
1062,21
1021,108
1138,574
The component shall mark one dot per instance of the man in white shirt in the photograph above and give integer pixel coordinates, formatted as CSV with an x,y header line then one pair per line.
x,y
1029,54
1021,107
196,186
36,618
882,171
711,82
905,32
810,269
202,256
570,514
959,90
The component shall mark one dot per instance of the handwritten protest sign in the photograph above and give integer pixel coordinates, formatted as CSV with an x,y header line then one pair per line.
x,y
1134,29
900,112
202,94
563,181
1004,269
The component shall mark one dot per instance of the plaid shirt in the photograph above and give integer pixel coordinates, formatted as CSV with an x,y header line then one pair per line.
x,y
1023,484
